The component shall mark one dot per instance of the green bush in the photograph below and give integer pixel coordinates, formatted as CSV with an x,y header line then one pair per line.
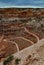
x,y
9,59
17,61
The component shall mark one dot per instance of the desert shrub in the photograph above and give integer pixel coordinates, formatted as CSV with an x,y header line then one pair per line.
x,y
9,59
17,61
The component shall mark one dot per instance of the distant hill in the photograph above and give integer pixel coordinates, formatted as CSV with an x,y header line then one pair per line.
x,y
20,12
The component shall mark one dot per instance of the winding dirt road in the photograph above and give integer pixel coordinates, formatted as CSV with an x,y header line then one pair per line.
x,y
25,39
21,38
16,43
13,43
32,34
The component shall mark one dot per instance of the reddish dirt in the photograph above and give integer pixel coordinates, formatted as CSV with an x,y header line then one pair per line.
x,y
7,49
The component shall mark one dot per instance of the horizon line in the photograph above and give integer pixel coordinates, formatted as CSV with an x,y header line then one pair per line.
x,y
22,7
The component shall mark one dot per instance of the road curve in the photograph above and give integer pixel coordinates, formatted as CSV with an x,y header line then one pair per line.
x,y
13,43
32,34
26,39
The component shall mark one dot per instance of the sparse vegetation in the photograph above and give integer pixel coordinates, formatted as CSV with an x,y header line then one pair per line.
x,y
9,59
17,61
